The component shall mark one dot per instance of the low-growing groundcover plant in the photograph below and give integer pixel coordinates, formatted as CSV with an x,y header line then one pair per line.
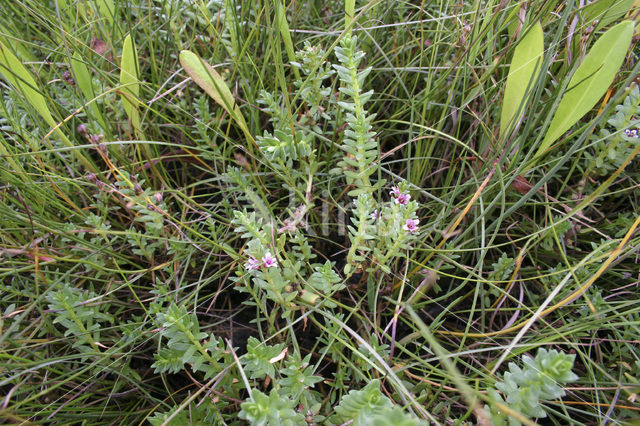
x,y
368,213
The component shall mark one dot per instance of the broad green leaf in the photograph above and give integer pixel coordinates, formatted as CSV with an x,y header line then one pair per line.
x,y
515,20
231,21
349,13
19,77
205,76
605,11
286,35
107,10
590,81
84,82
512,21
16,46
130,84
524,71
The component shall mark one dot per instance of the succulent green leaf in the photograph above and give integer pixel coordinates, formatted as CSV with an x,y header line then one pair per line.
x,y
393,417
540,378
262,410
258,360
349,13
357,405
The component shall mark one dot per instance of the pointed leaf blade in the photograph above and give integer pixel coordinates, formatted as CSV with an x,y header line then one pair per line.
x,y
205,76
590,81
603,12
18,76
83,79
130,83
523,72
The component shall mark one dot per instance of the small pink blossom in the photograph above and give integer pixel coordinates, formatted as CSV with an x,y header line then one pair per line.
x,y
411,225
399,197
402,199
269,261
374,215
252,264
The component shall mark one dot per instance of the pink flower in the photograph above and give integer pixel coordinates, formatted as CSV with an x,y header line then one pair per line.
x,y
411,225
252,264
399,197
402,199
374,215
269,261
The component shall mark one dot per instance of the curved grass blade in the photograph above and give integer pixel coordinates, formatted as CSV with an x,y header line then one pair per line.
x,y
523,72
590,81
205,76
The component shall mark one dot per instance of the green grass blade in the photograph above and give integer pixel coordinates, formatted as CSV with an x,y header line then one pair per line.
x,y
590,81
130,89
524,71
205,76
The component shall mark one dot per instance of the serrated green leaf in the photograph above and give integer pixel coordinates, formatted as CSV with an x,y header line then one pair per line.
x,y
590,81
523,72
205,76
